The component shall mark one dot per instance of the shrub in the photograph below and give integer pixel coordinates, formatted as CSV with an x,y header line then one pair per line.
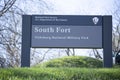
x,y
74,61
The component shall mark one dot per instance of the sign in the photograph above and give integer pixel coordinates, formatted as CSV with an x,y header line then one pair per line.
x,y
65,31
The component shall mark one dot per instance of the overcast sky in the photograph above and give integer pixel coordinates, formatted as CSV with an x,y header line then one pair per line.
x,y
68,7
81,7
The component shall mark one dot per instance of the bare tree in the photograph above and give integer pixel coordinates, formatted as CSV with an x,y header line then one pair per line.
x,y
116,28
97,54
10,28
38,56
9,33
70,52
6,5
10,39
2,62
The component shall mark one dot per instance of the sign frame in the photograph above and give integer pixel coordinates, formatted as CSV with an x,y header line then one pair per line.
x,y
106,40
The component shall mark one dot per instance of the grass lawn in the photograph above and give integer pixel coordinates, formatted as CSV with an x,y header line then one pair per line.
x,y
65,68
60,74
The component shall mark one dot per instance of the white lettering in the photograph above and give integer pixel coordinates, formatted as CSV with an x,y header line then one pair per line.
x,y
44,30
62,30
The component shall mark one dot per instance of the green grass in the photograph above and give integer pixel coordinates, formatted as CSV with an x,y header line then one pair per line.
x,y
73,61
59,74
66,68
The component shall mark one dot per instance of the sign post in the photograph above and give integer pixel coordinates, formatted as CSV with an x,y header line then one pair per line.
x,y
66,31
26,41
107,41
